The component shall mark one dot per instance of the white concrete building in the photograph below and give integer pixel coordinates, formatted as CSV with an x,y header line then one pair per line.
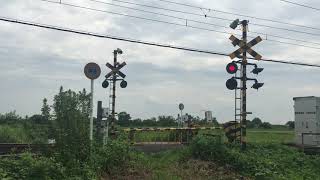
x,y
307,120
208,116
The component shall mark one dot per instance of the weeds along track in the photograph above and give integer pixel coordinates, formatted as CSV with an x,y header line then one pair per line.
x,y
15,148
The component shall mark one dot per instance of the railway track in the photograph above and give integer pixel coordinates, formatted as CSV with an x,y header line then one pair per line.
x,y
14,148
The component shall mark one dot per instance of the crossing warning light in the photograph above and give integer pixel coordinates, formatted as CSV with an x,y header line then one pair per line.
x,y
232,68
232,83
105,83
123,84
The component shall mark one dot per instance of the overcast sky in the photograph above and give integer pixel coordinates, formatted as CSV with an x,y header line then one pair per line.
x,y
36,62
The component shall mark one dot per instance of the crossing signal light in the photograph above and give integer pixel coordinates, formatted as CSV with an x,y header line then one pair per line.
x,y
123,84
232,68
105,84
257,85
232,83
257,70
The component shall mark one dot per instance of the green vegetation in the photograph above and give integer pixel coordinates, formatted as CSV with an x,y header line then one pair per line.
x,y
270,136
260,160
208,157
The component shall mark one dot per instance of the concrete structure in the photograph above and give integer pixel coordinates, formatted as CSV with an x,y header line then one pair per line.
x,y
307,120
208,116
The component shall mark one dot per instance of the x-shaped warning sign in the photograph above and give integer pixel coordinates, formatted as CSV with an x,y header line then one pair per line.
x,y
116,70
245,47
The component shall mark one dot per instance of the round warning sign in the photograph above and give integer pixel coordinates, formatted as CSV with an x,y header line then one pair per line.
x,y
181,106
92,70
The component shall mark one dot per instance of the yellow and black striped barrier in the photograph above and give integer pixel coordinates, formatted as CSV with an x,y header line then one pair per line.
x,y
232,130
170,129
177,135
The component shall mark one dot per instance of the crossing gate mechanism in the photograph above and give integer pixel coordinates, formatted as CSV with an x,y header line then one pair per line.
x,y
232,131
144,136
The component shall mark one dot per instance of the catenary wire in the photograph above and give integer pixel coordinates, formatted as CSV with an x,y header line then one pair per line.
x,y
212,17
202,22
299,4
237,14
172,23
87,33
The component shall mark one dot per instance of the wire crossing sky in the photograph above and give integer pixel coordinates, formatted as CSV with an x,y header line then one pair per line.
x,y
142,42
181,58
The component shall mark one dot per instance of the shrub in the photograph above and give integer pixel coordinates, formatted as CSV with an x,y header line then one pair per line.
x,y
262,161
29,167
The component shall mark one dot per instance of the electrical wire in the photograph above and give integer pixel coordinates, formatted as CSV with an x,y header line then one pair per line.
x,y
201,22
302,5
172,23
237,14
87,33
212,17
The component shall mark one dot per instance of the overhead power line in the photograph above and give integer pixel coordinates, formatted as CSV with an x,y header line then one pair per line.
x,y
187,20
299,4
237,14
87,33
181,25
208,16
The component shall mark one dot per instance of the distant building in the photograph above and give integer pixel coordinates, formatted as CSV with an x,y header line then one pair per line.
x,y
307,120
208,116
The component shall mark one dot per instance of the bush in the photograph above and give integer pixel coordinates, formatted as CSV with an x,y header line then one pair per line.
x,y
29,167
262,161
13,134
111,158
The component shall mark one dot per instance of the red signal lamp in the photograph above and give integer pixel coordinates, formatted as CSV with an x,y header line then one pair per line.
x,y
232,68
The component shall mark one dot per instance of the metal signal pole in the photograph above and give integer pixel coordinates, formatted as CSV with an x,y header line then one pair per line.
x,y
114,80
114,76
232,68
244,87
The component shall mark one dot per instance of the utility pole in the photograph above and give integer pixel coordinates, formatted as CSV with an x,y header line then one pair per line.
x,y
114,80
99,121
243,113
113,77
232,68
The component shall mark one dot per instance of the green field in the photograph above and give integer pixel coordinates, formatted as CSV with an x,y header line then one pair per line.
x,y
270,136
207,157
265,158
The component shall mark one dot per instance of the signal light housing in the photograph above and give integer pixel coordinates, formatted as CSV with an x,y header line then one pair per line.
x,y
232,68
257,85
105,84
232,83
123,84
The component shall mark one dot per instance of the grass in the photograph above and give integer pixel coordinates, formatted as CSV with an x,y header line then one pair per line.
x,y
270,136
177,165
266,158
260,160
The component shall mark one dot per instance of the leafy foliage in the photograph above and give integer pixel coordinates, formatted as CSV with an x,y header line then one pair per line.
x,y
290,124
71,134
262,161
29,167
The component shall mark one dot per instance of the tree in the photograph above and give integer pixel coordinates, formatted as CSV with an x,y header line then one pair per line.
x,y
290,124
166,121
71,115
45,110
256,122
266,125
10,118
37,119
124,119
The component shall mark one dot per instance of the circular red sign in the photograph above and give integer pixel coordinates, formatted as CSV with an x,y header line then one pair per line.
x,y
92,70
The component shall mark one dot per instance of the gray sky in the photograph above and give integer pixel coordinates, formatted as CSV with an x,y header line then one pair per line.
x,y
36,62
